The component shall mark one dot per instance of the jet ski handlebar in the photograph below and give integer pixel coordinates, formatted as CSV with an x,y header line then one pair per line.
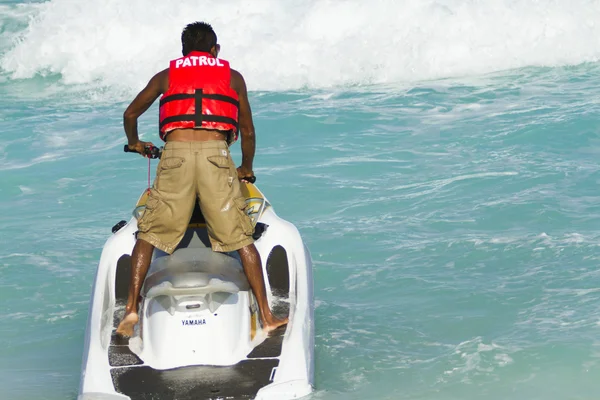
x,y
150,151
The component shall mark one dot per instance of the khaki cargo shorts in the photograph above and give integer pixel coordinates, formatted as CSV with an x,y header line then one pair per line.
x,y
196,170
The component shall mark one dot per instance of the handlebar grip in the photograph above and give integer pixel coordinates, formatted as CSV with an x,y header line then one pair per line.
x,y
149,151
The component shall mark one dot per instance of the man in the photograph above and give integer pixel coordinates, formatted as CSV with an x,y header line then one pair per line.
x,y
202,99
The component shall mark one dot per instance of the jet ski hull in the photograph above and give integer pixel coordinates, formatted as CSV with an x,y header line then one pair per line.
x,y
184,350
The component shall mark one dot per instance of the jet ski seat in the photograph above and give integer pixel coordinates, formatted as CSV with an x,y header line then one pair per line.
x,y
194,271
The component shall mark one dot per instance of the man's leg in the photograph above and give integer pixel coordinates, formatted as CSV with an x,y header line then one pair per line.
x,y
140,262
229,226
253,270
164,222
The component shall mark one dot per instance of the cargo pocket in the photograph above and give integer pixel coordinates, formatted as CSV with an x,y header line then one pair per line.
x,y
225,166
165,167
171,162
245,221
149,214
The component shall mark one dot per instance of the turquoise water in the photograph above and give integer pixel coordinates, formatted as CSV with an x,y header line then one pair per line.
x,y
453,222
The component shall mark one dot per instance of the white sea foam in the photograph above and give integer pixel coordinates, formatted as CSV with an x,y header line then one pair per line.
x,y
13,19
285,44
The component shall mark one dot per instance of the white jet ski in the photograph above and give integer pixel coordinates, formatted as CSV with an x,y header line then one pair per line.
x,y
199,335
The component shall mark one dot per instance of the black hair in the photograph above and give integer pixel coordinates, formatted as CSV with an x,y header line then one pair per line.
x,y
198,36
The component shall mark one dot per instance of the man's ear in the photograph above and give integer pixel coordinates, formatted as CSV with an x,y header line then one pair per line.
x,y
215,50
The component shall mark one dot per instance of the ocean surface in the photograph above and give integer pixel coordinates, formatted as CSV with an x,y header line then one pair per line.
x,y
440,159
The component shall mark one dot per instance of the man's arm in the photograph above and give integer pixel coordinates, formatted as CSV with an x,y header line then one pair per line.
x,y
140,105
246,125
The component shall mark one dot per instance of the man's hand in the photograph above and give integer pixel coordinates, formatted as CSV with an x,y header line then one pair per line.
x,y
140,147
245,175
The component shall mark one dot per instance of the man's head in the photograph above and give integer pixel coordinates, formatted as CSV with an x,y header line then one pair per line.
x,y
199,36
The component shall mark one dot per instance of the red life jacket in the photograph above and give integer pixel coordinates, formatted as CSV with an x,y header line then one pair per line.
x,y
199,96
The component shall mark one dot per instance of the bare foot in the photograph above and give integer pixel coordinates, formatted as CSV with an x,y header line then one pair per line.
x,y
274,323
125,328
